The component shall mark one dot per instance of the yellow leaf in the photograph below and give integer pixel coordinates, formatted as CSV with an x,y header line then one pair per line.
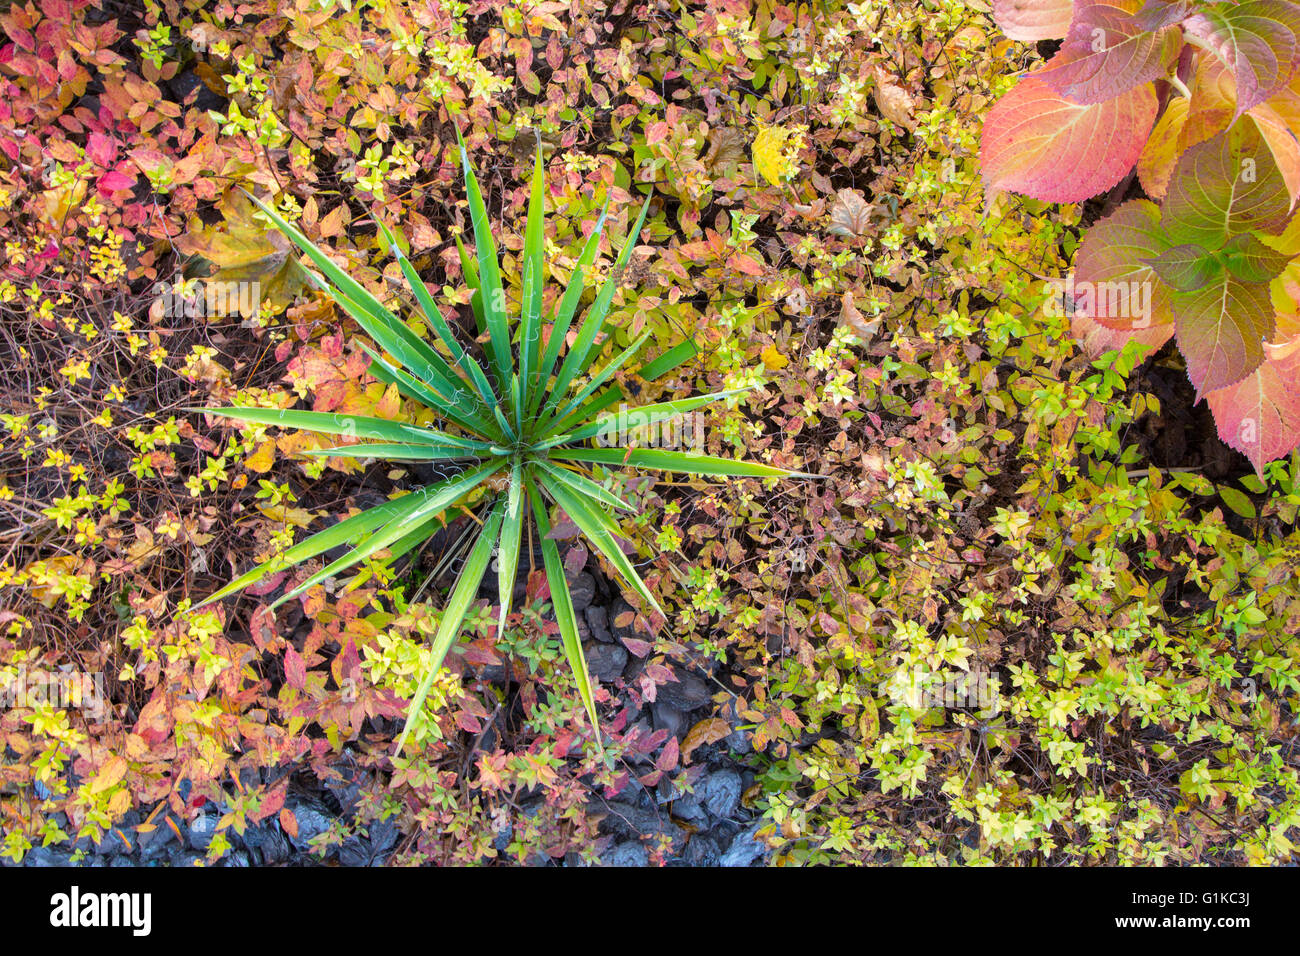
x,y
113,770
261,460
774,359
769,154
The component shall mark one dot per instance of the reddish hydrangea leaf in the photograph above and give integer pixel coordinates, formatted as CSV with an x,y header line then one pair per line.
x,y
1033,20
1224,187
1114,284
1106,53
1221,330
1040,144
1278,120
1256,40
1260,415
1157,13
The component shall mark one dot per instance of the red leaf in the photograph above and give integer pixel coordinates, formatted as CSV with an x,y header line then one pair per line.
x,y
1038,143
295,670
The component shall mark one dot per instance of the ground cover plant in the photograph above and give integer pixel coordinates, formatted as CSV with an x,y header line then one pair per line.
x,y
1037,607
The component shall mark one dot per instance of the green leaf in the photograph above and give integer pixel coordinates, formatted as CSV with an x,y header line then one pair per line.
x,y
346,531
1251,261
534,271
354,426
675,461
462,595
585,486
546,428
629,419
562,602
1221,330
508,551
1224,187
1185,268
577,358
1237,501
596,528
394,451
442,494
439,324
489,273
564,312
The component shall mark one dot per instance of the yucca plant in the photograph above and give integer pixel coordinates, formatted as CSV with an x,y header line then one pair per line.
x,y
521,427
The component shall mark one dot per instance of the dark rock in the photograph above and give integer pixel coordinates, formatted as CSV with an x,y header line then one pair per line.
x,y
720,793
582,588
686,693
597,618
268,843
183,857
155,842
746,849
667,717
237,860
44,856
187,82
627,853
202,828
689,808
313,820
701,851
645,826
372,849
605,662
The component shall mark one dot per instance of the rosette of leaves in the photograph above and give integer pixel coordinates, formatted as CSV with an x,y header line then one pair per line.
x,y
518,424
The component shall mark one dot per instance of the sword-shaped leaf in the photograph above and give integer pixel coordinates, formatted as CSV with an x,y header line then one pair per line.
x,y
346,531
462,595
442,495
564,312
598,532
562,602
489,273
508,551
577,358
675,461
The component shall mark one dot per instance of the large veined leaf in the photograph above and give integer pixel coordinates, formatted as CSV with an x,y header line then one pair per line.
x,y
1096,339
1186,268
1278,120
1256,40
1033,20
1106,52
1251,261
1224,187
1260,415
1038,143
1114,284
1221,330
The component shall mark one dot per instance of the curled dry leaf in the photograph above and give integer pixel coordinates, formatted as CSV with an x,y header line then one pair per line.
x,y
894,102
853,318
850,214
